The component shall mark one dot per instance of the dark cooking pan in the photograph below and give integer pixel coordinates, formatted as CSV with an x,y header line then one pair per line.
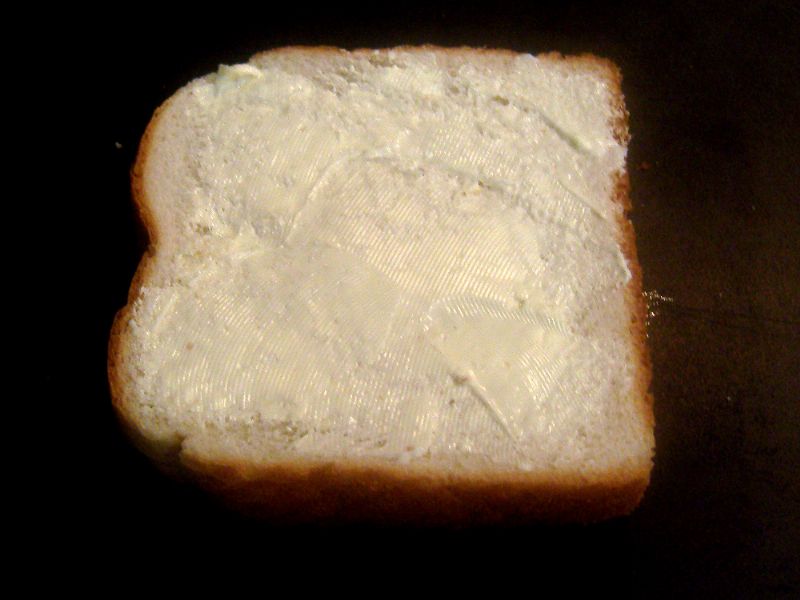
x,y
713,94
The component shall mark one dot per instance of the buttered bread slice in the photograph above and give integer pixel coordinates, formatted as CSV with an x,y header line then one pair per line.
x,y
391,285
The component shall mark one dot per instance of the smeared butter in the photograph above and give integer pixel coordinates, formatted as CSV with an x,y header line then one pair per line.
x,y
408,258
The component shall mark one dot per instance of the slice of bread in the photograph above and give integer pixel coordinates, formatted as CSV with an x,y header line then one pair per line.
x,y
391,285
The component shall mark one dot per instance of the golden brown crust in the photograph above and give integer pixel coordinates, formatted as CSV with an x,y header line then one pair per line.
x,y
116,344
634,299
637,308
165,456
348,491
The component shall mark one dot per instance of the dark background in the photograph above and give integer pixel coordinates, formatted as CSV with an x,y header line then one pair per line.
x,y
713,93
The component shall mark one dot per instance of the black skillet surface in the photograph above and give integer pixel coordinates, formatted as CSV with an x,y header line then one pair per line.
x,y
714,96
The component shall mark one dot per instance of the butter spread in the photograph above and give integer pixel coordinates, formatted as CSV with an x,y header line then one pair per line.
x,y
414,259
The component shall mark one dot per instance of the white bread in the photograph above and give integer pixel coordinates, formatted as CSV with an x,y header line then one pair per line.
x,y
391,285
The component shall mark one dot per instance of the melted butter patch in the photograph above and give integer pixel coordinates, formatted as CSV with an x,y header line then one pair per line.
x,y
283,325
228,77
424,229
512,359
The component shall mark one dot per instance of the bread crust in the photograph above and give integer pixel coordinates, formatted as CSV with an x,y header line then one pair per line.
x,y
344,492
166,456
373,492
